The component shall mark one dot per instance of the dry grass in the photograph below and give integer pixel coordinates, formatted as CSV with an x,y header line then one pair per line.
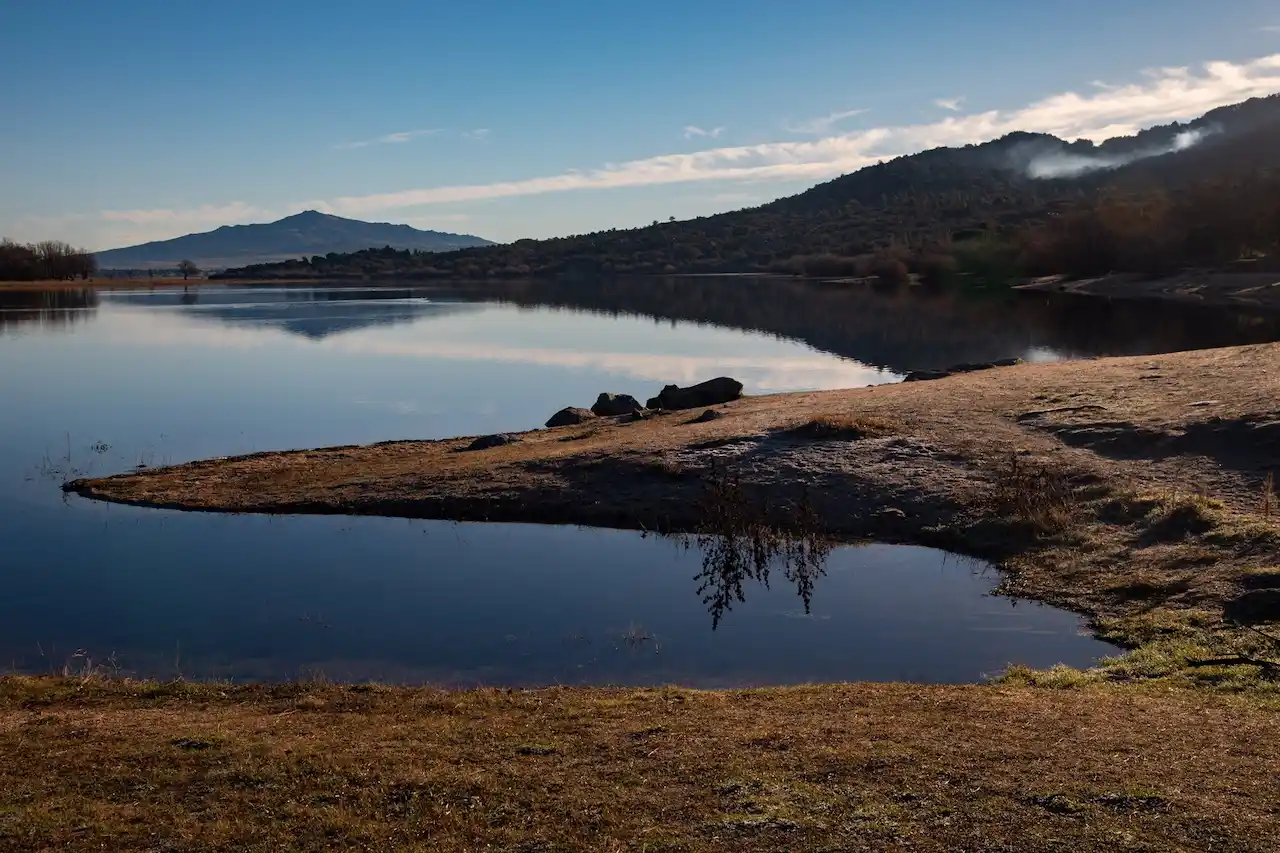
x,y
845,427
1041,497
128,766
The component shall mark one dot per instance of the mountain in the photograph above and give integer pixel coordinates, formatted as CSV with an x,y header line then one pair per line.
x,y
914,210
307,233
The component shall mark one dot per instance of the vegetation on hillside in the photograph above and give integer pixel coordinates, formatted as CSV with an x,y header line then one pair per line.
x,y
972,209
46,260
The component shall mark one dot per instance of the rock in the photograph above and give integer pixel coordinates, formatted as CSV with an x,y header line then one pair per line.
x,y
486,442
569,417
710,393
927,375
707,416
611,405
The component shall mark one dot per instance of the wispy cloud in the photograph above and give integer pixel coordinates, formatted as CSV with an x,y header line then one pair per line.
x,y
692,131
822,124
1271,28
953,104
390,139
1159,96
479,134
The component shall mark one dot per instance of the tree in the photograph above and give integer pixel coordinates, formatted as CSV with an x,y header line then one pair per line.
x,y
188,269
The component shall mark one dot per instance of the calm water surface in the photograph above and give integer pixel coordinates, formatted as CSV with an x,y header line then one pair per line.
x,y
94,384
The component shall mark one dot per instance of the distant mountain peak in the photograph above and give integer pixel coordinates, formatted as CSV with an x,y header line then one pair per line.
x,y
303,234
308,215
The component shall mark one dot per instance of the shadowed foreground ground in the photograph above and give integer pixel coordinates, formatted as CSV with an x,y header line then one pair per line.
x,y
126,766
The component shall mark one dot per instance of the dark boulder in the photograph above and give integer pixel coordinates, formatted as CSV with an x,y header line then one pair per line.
x,y
611,405
707,416
569,417
709,393
486,442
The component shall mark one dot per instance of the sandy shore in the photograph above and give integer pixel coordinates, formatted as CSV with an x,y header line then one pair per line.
x,y
1128,489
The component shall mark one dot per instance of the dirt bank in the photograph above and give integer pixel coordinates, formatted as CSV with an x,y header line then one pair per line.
x,y
1261,289
1129,489
93,765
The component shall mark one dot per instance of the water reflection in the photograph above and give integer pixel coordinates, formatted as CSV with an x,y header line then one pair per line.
x,y
45,309
914,328
255,597
314,313
742,540
896,331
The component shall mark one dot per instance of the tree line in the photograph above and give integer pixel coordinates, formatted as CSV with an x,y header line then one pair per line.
x,y
1151,230
46,260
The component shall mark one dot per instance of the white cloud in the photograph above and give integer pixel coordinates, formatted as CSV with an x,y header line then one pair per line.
x,y
822,124
1271,28
691,131
479,134
952,104
1162,96
1159,96
398,137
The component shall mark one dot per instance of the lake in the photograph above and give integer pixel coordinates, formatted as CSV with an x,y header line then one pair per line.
x,y
95,383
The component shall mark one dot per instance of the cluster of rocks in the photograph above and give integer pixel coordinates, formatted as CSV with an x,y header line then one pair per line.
x,y
671,398
926,375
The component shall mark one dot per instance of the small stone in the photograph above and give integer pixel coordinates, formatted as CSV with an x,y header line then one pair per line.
x,y
707,416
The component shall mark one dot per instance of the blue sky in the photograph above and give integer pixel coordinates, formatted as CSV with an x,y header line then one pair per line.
x,y
134,120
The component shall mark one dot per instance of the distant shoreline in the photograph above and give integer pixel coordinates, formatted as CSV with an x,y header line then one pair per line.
x,y
167,282
1209,288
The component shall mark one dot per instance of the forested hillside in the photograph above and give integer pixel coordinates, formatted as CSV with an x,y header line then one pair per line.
x,y
1205,192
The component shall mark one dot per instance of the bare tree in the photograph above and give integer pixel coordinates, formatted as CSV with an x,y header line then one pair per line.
x,y
49,259
188,269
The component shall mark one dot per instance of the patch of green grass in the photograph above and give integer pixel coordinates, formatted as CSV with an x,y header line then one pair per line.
x,y
1057,677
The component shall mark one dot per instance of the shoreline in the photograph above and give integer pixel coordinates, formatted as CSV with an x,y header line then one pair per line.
x,y
138,284
1209,288
1129,489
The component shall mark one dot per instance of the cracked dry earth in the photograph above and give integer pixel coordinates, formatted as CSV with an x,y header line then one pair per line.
x,y
919,464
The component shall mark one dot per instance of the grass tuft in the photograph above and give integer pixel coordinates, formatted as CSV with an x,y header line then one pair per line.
x,y
1039,496
844,428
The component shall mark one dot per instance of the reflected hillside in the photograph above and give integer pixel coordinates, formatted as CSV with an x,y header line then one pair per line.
x,y
45,309
314,313
909,328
